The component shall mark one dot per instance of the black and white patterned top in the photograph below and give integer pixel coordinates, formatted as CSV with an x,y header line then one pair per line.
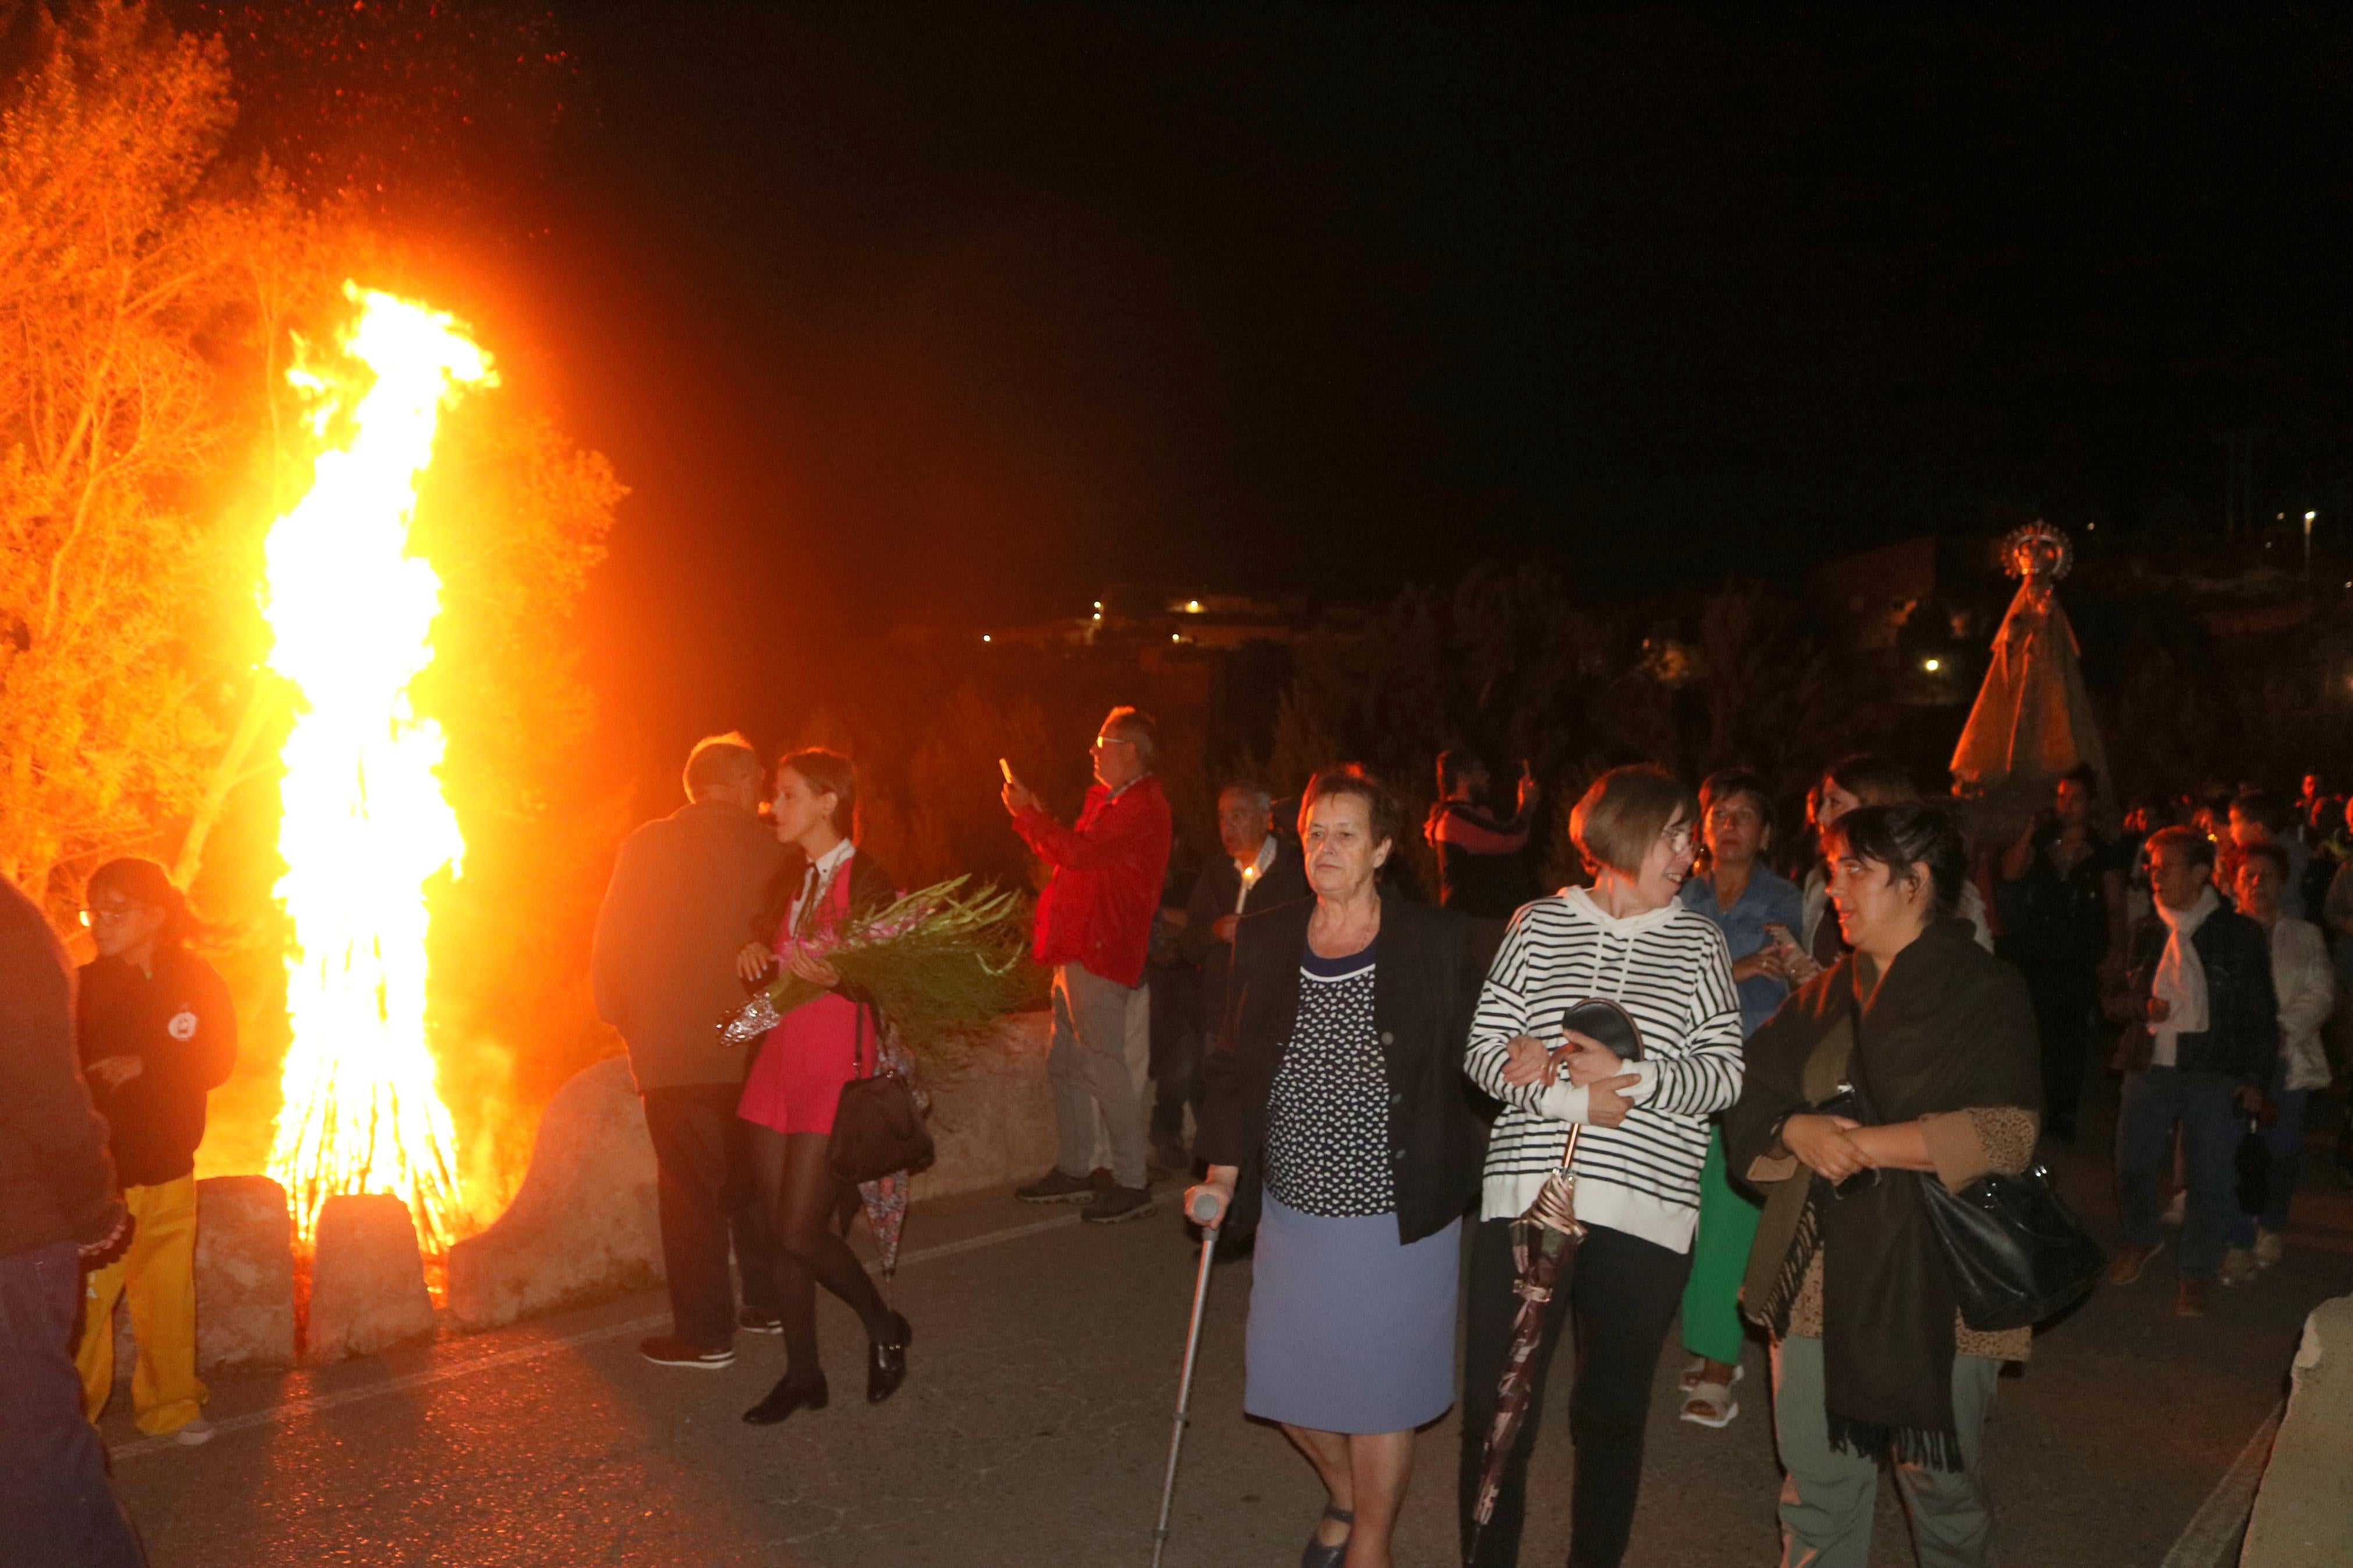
x,y
1327,1128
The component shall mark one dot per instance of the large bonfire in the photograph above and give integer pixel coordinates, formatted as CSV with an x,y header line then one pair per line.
x,y
365,829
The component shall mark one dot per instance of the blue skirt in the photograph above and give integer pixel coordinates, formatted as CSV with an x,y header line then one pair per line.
x,y
1350,1330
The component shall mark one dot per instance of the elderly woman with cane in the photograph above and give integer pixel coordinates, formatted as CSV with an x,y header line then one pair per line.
x,y
1336,1126
1912,1060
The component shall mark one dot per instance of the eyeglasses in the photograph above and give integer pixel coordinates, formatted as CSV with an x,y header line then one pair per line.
x,y
1103,741
1678,837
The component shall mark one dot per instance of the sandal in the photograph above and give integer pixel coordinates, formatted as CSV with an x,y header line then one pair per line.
x,y
1690,1379
1710,1404
1318,1554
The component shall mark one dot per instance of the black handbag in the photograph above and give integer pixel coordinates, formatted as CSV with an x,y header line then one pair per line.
x,y
877,1127
2017,1254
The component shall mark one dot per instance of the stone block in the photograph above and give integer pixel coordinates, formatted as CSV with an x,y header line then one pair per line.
x,y
993,1122
2304,1506
245,1274
584,1222
367,1279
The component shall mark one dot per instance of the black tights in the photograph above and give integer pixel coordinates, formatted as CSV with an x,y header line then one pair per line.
x,y
802,1193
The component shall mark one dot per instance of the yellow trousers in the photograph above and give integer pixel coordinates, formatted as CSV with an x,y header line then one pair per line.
x,y
159,1274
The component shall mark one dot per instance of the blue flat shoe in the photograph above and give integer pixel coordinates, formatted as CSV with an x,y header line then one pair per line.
x,y
1318,1554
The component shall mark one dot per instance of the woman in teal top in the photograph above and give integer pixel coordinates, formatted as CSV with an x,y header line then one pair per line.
x,y
1759,913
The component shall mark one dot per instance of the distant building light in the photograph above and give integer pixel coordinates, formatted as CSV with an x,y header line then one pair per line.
x,y
2091,527
983,637
1932,665
1175,637
1099,606
1192,606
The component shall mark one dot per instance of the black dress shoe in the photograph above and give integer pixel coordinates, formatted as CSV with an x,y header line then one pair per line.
x,y
790,1393
886,1360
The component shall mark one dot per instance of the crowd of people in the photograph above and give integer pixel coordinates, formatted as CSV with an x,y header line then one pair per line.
x,y
1747,1051
1382,1085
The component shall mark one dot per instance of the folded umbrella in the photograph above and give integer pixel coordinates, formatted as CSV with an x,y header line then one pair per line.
x,y
1543,1241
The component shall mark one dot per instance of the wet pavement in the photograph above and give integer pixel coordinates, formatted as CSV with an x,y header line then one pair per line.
x,y
1035,1424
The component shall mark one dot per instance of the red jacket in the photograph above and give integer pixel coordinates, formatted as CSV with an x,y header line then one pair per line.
x,y
1107,873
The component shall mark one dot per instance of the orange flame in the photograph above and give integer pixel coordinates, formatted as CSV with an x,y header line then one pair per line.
x,y
365,826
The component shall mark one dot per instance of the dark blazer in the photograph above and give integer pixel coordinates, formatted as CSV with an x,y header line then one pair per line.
x,y
2241,1034
1214,893
1425,988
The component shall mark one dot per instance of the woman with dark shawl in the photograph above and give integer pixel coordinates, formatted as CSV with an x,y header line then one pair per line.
x,y
1913,1059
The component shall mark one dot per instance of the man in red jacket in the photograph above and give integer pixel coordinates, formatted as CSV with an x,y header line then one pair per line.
x,y
1094,923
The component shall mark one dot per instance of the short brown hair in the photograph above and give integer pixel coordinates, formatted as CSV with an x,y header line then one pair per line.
x,y
718,761
829,773
1625,811
1871,779
1389,817
2265,849
2200,848
1727,783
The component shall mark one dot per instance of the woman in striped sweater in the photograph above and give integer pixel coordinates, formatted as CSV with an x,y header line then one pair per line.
x,y
1625,939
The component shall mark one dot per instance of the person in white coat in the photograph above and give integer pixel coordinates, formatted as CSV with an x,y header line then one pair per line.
x,y
2308,994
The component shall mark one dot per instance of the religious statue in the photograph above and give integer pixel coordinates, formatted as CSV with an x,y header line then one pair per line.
x,y
2033,720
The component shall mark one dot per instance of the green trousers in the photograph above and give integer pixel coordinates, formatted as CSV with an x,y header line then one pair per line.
x,y
1829,1496
1727,1226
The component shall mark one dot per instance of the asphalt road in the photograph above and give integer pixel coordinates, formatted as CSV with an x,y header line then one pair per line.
x,y
1035,1424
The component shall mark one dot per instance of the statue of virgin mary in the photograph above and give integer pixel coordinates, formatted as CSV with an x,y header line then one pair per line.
x,y
2033,720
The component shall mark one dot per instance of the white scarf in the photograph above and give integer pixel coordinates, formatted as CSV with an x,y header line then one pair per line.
x,y
2180,978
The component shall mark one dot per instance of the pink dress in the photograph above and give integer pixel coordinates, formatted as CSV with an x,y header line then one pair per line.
x,y
795,1080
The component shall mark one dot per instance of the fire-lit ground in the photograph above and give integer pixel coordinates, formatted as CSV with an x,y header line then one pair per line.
x,y
1035,1424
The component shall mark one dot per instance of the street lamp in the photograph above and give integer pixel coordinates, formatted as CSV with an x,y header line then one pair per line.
x,y
2307,543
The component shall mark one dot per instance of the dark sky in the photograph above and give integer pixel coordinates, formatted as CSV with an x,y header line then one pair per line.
x,y
958,315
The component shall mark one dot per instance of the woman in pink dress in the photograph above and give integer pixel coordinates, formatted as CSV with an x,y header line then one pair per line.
x,y
796,1082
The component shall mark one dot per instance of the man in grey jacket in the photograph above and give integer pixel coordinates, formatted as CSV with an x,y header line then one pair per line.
x,y
58,1211
686,893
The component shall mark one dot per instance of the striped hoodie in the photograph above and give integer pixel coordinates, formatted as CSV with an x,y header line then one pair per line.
x,y
1671,972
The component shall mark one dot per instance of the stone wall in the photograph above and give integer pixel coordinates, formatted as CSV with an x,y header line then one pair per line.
x,y
584,1223
583,1220
2303,1508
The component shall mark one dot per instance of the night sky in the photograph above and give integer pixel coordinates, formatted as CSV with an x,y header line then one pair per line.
x,y
957,315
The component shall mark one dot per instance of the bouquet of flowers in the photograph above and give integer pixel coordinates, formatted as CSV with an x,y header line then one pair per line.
x,y
941,964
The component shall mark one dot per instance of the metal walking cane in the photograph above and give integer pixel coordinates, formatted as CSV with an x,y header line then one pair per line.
x,y
1185,1380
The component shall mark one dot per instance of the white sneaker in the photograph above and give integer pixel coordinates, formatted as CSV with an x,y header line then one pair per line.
x,y
2238,1267
197,1431
2267,1247
2178,1211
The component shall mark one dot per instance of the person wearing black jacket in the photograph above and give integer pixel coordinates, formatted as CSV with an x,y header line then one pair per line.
x,y
1257,870
58,1211
1337,1127
158,1035
1483,864
2204,973
2061,900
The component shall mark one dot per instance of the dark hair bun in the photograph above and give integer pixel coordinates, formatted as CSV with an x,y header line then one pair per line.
x,y
1907,833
